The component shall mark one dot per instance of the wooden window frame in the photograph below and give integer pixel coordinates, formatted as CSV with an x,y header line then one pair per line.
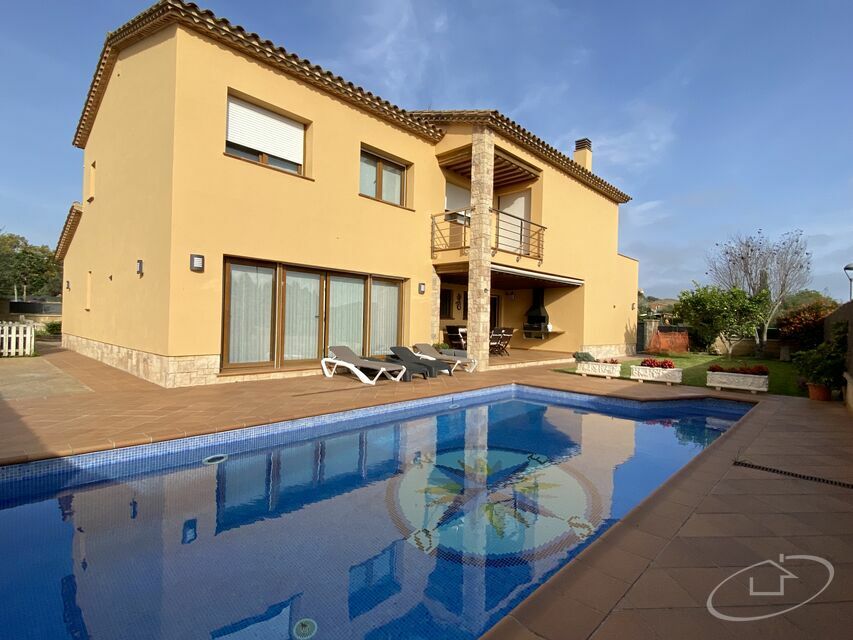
x,y
263,159
281,362
368,348
380,160
277,340
226,315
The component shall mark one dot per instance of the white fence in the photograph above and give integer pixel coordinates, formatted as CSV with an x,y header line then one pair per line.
x,y
17,339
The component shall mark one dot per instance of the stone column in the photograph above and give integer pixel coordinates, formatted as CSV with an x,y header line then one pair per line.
x,y
480,251
435,308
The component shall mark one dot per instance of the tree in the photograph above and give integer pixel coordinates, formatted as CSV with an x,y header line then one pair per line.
x,y
806,297
31,269
755,263
712,312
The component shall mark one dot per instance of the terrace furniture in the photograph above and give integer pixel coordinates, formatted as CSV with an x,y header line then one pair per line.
x,y
427,351
407,357
346,358
499,340
456,337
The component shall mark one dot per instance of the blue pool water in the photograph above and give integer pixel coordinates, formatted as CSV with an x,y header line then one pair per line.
x,y
422,521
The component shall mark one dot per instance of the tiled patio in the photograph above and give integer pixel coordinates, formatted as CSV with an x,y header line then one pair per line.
x,y
647,577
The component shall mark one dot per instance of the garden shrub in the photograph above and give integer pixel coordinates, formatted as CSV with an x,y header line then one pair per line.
x,y
755,370
583,356
53,328
658,364
803,326
826,362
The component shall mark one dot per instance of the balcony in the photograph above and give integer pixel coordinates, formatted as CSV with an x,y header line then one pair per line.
x,y
451,231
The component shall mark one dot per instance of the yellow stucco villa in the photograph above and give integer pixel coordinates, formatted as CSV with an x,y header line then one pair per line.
x,y
244,209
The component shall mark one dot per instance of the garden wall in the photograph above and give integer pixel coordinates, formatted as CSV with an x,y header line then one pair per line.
x,y
842,314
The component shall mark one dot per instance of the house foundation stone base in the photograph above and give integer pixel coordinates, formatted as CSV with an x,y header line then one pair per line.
x,y
167,371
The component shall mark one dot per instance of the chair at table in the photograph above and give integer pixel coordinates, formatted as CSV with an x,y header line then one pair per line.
x,y
456,337
499,340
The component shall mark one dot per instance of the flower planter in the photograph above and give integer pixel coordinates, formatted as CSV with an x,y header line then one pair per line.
x,y
747,382
656,374
604,369
819,392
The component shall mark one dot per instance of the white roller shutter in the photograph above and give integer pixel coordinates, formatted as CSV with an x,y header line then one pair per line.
x,y
456,197
265,131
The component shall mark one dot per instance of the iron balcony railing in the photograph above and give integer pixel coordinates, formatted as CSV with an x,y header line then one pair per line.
x,y
510,233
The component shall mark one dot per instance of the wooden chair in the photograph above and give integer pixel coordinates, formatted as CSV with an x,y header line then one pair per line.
x,y
455,337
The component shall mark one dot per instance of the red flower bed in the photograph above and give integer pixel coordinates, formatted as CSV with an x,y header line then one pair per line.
x,y
756,370
658,364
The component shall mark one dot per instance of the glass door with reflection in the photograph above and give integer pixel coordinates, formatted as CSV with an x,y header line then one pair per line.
x,y
346,312
302,316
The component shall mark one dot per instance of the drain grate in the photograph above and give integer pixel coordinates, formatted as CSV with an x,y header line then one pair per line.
x,y
304,629
793,474
218,458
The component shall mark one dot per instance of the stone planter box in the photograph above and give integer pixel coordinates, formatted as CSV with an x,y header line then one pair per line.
x,y
747,382
656,374
604,369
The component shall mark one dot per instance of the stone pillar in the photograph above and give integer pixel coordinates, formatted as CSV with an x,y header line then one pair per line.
x,y
435,308
480,251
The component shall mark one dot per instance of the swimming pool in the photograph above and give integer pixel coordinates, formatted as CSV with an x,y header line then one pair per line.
x,y
418,520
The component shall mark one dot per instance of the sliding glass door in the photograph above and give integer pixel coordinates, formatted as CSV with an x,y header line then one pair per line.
x,y
346,312
302,314
250,313
276,315
384,316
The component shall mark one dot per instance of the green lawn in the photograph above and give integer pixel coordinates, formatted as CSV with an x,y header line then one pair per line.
x,y
783,377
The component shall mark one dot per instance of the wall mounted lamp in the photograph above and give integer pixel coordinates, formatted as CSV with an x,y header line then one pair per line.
x,y
139,268
196,262
422,288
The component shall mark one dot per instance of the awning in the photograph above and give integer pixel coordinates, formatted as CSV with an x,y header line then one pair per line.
x,y
507,277
528,273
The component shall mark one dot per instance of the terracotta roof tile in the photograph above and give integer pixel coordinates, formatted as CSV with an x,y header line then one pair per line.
x,y
518,134
68,229
421,123
167,12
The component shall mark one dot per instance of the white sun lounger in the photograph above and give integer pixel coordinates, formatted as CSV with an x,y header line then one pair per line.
x,y
346,358
428,352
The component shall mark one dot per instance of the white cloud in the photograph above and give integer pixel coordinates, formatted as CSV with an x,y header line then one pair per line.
x,y
646,213
391,50
647,134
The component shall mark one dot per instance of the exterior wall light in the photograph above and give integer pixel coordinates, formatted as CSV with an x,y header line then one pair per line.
x,y
422,288
848,271
68,285
139,268
196,262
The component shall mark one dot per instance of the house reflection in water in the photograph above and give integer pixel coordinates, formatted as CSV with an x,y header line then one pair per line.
x,y
439,524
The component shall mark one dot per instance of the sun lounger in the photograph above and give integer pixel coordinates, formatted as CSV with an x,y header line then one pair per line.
x,y
407,357
427,351
411,370
346,358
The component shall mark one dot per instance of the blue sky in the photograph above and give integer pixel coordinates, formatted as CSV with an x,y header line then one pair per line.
x,y
716,117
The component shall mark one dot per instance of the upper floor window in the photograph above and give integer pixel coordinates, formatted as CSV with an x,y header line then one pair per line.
x,y
382,179
260,135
